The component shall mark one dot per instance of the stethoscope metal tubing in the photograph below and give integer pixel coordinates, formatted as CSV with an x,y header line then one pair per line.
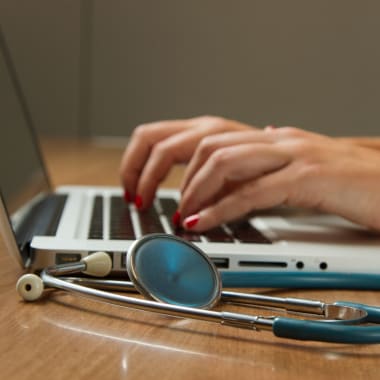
x,y
312,308
64,269
281,327
225,318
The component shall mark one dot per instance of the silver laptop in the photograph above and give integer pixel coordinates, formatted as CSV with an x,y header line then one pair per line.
x,y
42,226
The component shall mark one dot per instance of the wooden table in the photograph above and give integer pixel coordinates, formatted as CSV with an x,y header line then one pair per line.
x,y
65,337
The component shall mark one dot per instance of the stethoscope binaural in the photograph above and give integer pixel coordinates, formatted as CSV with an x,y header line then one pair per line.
x,y
181,281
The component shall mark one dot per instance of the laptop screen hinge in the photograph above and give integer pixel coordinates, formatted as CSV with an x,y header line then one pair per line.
x,y
26,253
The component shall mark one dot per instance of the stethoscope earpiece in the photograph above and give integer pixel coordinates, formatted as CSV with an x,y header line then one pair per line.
x,y
98,264
30,287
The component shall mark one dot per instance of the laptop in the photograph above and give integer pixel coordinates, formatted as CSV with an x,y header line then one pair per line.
x,y
42,226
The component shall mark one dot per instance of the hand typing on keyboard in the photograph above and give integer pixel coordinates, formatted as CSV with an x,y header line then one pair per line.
x,y
234,169
155,147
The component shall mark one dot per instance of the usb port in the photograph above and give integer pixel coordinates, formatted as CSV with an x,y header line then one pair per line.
x,y
221,262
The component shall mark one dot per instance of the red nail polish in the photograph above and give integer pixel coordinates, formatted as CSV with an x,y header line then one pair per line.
x,y
191,221
176,218
138,201
127,196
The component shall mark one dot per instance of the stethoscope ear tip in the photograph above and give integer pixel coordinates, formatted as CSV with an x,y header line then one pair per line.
x,y
30,287
98,264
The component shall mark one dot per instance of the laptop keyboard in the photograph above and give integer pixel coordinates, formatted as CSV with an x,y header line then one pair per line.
x,y
153,219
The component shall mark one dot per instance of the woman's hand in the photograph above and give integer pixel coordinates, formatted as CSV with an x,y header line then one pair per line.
x,y
155,147
231,174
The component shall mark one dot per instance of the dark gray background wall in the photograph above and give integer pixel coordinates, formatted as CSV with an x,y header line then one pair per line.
x,y
43,37
96,67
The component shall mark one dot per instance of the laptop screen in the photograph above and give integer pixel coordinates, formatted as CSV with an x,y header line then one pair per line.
x,y
22,172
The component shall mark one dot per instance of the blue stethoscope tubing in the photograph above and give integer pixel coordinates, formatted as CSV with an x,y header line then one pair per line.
x,y
330,332
297,279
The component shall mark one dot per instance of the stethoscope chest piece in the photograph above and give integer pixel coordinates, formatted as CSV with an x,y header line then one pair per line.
x,y
168,269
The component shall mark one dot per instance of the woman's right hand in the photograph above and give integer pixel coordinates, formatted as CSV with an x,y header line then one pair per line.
x,y
283,166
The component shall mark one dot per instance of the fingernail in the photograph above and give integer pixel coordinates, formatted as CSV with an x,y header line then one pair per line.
x,y
127,196
138,201
191,221
176,218
269,127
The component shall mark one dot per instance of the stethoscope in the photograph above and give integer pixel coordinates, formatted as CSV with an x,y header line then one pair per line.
x,y
180,280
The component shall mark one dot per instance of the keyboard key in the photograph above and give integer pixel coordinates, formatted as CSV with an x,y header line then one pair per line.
x,y
96,225
150,221
246,233
187,235
218,235
121,227
169,207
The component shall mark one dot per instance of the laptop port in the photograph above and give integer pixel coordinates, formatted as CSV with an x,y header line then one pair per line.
x,y
221,262
67,258
123,261
263,264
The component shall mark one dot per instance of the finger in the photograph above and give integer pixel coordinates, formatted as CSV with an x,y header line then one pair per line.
x,y
265,192
137,152
212,143
174,149
238,163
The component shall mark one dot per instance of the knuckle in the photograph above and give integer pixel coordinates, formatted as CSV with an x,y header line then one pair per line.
x,y
300,147
209,121
207,118
161,149
207,146
141,131
294,133
219,159
291,131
